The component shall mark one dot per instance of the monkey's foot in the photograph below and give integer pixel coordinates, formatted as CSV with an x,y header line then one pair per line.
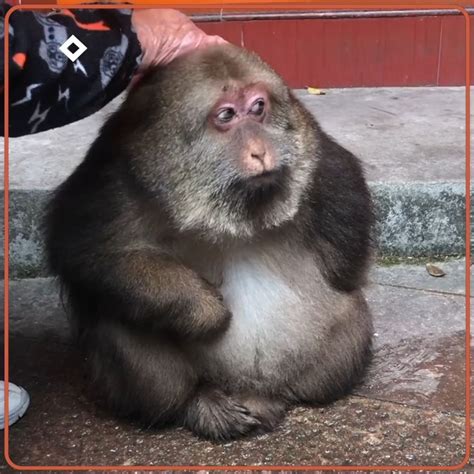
x,y
218,417
269,412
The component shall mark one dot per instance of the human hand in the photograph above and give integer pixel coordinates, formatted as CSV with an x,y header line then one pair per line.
x,y
166,34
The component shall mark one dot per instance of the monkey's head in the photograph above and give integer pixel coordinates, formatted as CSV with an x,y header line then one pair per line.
x,y
222,142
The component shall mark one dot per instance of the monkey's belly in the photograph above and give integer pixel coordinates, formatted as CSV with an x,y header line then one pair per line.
x,y
279,316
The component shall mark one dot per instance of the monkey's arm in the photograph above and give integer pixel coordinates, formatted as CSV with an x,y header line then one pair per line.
x,y
164,293
149,290
338,217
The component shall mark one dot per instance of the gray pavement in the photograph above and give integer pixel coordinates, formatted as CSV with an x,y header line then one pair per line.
x,y
410,410
411,141
403,135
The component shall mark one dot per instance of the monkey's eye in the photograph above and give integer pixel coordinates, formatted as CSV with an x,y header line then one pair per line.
x,y
226,115
258,107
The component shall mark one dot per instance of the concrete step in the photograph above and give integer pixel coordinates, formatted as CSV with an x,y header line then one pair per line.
x,y
410,410
411,140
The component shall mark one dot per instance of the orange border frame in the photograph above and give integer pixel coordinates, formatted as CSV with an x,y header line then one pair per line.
x,y
196,7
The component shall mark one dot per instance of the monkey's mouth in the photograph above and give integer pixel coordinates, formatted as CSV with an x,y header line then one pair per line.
x,y
256,193
267,178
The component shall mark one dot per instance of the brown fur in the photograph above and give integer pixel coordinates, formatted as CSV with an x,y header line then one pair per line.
x,y
198,298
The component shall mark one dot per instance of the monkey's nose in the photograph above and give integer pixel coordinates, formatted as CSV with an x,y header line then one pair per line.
x,y
259,160
258,154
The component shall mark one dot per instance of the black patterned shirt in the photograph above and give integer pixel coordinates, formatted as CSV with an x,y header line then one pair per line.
x,y
46,88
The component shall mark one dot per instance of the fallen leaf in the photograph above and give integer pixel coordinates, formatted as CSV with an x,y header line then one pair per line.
x,y
314,91
434,271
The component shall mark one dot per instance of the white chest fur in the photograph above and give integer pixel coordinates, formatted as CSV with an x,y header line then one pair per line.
x,y
274,294
258,295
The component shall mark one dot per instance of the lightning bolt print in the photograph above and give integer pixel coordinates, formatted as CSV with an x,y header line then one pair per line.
x,y
28,94
79,67
39,116
63,95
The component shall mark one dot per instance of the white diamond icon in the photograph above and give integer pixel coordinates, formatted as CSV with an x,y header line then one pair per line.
x,y
72,40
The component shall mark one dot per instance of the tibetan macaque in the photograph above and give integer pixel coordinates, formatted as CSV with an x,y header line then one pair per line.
x,y
212,246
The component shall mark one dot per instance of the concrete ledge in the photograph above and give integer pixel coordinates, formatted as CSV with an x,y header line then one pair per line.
x,y
414,219
411,141
418,219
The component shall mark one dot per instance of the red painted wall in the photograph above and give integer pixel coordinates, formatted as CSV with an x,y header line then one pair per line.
x,y
364,52
409,51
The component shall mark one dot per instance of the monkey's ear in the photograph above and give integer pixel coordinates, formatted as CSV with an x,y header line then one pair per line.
x,y
147,95
147,78
141,103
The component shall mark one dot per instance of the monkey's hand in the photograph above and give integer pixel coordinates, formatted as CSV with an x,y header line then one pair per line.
x,y
157,292
205,314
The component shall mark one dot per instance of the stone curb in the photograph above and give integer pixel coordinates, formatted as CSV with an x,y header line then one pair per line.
x,y
413,219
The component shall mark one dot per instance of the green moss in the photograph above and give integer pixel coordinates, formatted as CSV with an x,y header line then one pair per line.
x,y
387,261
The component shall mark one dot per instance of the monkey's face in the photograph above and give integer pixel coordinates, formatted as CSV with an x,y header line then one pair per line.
x,y
233,149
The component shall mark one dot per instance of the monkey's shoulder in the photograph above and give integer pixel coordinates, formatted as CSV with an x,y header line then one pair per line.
x,y
337,216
